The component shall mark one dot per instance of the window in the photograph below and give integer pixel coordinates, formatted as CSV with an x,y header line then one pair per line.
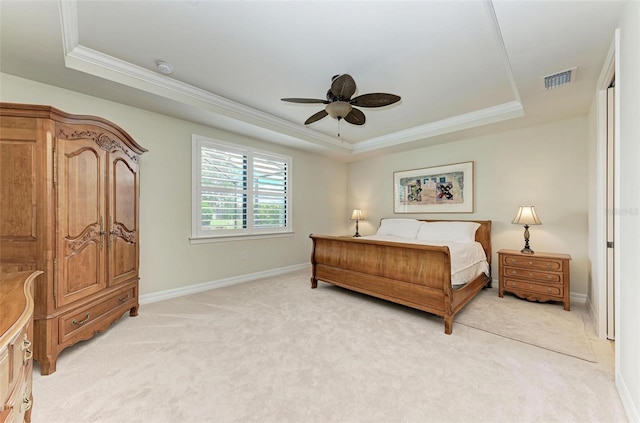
x,y
238,190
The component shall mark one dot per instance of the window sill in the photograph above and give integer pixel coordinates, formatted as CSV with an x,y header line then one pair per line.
x,y
236,237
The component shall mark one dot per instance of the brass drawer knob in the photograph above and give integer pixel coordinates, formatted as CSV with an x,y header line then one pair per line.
x,y
26,347
26,404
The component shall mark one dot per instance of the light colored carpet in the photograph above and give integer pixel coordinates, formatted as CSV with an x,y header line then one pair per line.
x,y
274,350
546,325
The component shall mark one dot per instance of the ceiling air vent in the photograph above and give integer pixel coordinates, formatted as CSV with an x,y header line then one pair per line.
x,y
559,79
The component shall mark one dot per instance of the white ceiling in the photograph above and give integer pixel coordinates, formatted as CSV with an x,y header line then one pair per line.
x,y
462,68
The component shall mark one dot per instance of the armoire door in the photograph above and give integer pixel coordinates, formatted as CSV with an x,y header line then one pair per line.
x,y
123,218
81,250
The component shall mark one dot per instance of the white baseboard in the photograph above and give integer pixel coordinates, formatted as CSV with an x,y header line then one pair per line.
x,y
578,298
206,286
627,402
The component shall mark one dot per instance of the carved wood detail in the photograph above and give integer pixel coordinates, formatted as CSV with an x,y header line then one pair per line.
x,y
129,237
103,140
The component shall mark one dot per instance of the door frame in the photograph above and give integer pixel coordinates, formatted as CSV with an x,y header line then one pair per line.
x,y
609,70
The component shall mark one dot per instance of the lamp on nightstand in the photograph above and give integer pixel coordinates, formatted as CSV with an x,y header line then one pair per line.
x,y
526,216
357,215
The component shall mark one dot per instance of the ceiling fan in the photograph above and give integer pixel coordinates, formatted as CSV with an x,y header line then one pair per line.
x,y
340,104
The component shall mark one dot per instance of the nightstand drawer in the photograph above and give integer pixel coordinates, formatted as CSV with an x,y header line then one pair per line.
x,y
533,263
549,277
555,291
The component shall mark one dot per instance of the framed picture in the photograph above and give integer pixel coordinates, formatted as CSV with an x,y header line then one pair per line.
x,y
439,189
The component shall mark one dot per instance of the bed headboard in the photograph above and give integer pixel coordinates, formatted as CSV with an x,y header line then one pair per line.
x,y
483,234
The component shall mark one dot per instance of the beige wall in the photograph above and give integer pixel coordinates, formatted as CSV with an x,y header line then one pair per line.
x,y
167,260
544,165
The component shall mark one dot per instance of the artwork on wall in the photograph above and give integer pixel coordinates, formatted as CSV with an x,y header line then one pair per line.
x,y
439,189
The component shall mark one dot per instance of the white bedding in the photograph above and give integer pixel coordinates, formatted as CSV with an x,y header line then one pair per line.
x,y
468,259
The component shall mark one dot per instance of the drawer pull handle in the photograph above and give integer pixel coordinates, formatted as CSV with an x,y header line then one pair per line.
x,y
82,322
515,284
26,404
125,298
549,290
26,347
513,272
530,262
530,274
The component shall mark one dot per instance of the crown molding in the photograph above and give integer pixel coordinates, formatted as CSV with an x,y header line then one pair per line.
x,y
457,123
98,64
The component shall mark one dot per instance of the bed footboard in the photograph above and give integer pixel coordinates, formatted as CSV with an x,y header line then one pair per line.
x,y
414,275
417,276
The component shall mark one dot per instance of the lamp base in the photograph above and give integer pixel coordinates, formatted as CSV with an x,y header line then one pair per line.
x,y
526,249
357,232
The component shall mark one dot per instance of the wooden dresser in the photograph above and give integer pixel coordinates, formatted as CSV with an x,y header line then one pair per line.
x,y
16,349
536,277
69,205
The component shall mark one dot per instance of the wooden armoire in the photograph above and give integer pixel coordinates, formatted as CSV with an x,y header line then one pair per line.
x,y
69,206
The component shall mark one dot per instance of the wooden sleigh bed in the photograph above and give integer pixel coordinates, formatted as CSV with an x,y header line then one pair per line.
x,y
414,275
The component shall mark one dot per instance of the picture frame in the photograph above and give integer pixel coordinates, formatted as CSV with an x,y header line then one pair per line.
x,y
439,189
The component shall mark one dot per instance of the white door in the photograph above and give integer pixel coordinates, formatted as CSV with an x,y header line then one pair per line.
x,y
611,213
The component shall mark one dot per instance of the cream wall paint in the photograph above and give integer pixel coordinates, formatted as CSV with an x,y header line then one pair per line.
x,y
545,165
167,260
593,183
628,250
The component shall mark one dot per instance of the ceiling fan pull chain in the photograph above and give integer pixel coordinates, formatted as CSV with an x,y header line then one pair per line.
x,y
339,120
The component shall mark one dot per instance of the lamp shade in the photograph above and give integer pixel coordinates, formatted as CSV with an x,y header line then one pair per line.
x,y
527,216
357,215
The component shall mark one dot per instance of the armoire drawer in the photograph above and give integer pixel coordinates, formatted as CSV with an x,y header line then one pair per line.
x,y
74,322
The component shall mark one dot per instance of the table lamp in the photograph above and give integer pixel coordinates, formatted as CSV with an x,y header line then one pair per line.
x,y
357,216
526,216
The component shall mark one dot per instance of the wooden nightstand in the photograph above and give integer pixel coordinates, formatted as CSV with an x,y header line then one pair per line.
x,y
536,277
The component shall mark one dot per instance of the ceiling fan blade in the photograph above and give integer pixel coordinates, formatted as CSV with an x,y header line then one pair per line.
x,y
355,117
316,117
304,100
375,100
343,87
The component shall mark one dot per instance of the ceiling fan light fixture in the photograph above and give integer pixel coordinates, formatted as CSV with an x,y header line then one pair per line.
x,y
338,109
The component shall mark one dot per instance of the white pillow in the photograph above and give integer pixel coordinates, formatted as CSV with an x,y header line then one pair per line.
x,y
403,228
448,231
